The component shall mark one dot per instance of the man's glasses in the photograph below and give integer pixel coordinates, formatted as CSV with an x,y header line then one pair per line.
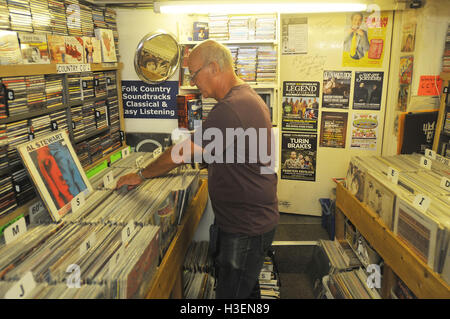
x,y
194,75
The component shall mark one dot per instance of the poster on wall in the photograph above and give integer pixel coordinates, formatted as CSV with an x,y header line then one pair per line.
x,y
143,100
406,69
402,100
365,40
294,35
364,131
333,129
367,90
300,106
336,89
298,156
408,36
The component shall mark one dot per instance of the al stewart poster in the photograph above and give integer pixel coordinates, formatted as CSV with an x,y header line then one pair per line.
x,y
367,90
336,89
300,106
298,156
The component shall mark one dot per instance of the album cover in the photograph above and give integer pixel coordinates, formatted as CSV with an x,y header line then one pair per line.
x,y
92,50
74,49
34,48
56,48
55,170
9,48
106,39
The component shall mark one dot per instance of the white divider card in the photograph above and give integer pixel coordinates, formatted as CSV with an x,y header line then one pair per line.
x,y
36,212
87,244
22,288
128,232
392,175
125,152
108,180
15,230
422,202
140,161
77,202
157,152
430,154
445,183
116,258
425,162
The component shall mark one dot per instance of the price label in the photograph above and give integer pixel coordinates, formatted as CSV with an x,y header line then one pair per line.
x,y
430,154
140,161
422,202
445,183
77,202
22,288
108,180
125,152
425,162
15,230
392,175
128,232
88,244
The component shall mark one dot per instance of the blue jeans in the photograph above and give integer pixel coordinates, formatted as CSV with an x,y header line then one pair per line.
x,y
238,264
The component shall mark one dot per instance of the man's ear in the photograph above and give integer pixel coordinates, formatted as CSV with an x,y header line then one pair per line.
x,y
215,68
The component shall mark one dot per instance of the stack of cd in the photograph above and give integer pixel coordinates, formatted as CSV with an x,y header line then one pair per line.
x,y
246,63
35,91
23,186
106,144
87,85
100,84
73,83
20,15
95,149
88,117
110,19
218,27
73,13
82,151
111,83
238,28
4,15
17,133
101,114
98,18
266,70
40,125
3,147
59,120
87,25
54,90
17,101
76,113
41,16
113,110
265,28
58,15
3,111
7,198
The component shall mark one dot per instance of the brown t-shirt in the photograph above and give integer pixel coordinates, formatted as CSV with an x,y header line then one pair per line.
x,y
243,199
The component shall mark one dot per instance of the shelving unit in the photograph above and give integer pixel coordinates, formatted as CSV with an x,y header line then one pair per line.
x,y
49,69
397,256
440,136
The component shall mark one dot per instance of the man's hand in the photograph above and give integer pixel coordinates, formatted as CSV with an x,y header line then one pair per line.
x,y
131,180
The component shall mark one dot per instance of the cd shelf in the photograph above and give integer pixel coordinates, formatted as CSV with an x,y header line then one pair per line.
x,y
398,257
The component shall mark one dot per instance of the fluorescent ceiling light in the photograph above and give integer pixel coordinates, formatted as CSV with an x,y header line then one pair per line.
x,y
180,7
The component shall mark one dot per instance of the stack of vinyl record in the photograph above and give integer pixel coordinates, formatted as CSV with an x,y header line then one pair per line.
x,y
98,18
59,120
77,121
198,273
238,28
41,16
350,285
73,83
88,116
40,125
110,19
20,15
340,255
266,70
17,133
101,114
7,198
87,85
54,90
99,84
58,15
4,15
17,103
218,27
246,63
269,281
82,151
73,14
23,186
265,28
3,111
35,91
87,25
3,147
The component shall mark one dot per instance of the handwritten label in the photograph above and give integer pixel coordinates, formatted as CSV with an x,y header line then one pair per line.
x,y
15,230
72,68
421,202
108,180
445,183
22,288
392,175
430,154
77,202
425,162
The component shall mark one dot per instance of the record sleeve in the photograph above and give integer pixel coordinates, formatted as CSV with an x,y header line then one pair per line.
x,y
56,48
106,39
55,170
34,48
92,50
9,48
74,49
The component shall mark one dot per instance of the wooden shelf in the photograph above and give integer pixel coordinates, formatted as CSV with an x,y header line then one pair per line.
x,y
416,274
245,42
39,69
167,281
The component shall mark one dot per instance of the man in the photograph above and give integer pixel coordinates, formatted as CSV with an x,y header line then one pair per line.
x,y
361,93
292,161
356,41
243,198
